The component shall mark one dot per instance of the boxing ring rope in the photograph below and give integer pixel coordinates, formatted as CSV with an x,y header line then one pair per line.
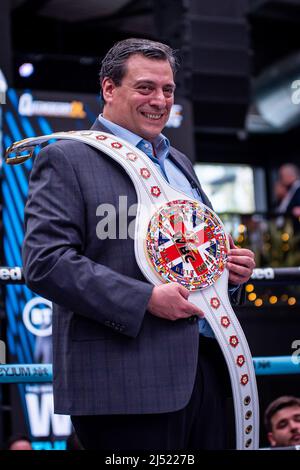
x,y
269,365
42,373
14,275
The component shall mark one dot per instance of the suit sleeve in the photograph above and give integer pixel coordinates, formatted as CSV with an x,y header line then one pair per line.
x,y
54,264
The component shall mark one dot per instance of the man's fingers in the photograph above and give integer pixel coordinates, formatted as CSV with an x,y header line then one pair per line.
x,y
241,252
231,242
235,279
191,309
239,269
188,307
241,261
170,301
183,291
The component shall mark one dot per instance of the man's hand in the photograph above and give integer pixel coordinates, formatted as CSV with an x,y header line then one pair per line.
x,y
240,264
170,301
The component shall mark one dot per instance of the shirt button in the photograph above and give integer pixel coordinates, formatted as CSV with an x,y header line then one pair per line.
x,y
146,146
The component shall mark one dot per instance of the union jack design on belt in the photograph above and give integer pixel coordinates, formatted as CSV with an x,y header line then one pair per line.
x,y
186,244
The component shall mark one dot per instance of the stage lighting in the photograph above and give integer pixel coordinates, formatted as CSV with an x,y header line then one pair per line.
x,y
26,69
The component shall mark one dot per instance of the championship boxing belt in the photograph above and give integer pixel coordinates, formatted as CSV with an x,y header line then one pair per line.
x,y
179,239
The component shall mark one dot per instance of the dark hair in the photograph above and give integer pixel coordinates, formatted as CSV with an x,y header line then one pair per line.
x,y
277,405
114,63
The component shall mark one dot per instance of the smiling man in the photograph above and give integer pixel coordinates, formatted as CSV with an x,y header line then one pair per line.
x,y
143,101
136,366
282,421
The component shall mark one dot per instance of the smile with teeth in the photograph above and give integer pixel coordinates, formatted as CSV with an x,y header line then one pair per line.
x,y
152,116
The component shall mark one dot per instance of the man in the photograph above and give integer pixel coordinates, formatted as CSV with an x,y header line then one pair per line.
x,y
126,363
19,442
282,421
289,178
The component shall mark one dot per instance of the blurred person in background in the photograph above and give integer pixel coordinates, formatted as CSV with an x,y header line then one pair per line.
x,y
289,178
280,191
282,421
18,442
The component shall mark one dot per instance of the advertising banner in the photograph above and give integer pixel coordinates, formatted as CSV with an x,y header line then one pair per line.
x,y
29,317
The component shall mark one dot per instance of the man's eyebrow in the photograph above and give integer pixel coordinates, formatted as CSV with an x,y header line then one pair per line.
x,y
150,82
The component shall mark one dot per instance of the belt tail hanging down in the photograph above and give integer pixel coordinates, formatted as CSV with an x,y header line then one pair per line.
x,y
178,239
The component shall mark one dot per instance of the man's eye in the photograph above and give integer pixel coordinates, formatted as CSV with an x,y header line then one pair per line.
x,y
145,89
282,424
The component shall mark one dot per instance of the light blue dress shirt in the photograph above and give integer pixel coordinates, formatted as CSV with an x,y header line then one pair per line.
x,y
169,170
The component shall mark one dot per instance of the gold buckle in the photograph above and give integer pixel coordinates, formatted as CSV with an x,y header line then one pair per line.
x,y
17,159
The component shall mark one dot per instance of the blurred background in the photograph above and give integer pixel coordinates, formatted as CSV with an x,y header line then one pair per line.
x,y
236,115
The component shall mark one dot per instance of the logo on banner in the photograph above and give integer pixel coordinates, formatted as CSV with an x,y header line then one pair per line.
x,y
30,107
39,401
3,88
295,94
263,273
37,316
10,274
296,354
2,352
176,116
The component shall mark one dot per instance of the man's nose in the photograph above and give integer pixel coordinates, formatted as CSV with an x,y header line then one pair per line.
x,y
295,426
158,99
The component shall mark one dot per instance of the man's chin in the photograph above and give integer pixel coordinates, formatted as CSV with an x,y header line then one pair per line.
x,y
151,134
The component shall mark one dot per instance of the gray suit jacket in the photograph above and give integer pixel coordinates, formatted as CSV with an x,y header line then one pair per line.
x,y
110,356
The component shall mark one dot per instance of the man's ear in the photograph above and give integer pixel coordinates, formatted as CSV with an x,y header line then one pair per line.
x,y
271,439
108,87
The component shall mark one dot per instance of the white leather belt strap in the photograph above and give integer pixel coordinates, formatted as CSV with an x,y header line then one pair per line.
x,y
178,239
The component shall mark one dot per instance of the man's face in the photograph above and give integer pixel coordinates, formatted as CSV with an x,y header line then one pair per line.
x,y
287,175
143,101
285,427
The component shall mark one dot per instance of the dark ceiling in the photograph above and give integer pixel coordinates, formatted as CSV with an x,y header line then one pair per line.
x,y
66,39
73,35
65,46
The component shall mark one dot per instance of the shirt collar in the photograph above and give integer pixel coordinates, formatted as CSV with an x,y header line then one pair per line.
x,y
160,143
